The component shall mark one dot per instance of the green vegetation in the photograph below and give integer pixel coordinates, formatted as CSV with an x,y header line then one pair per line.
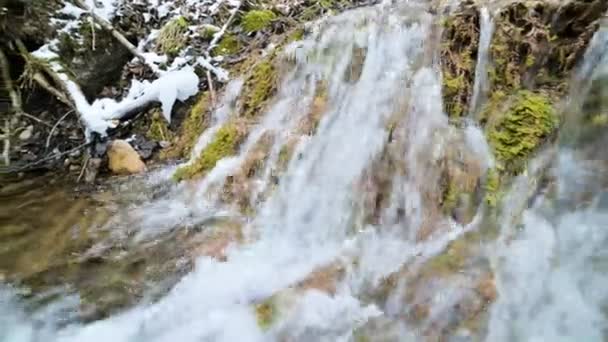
x,y
521,130
228,45
257,20
158,129
173,36
459,45
266,313
259,87
225,143
190,130
492,187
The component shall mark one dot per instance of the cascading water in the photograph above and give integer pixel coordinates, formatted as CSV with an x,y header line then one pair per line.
x,y
342,237
552,273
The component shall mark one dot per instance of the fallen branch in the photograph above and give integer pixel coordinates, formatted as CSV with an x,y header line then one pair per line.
x,y
218,35
39,78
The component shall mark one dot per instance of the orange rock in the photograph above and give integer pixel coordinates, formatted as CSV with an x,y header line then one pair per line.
x,y
123,159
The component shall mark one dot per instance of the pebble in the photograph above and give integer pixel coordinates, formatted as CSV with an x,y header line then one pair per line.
x,y
27,133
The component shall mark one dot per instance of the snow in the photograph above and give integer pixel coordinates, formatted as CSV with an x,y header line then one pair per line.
x,y
103,8
175,85
71,10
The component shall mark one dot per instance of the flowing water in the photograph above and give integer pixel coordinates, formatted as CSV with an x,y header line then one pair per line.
x,y
345,239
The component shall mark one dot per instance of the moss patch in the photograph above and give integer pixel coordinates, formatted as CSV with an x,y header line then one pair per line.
x,y
228,45
158,129
259,87
459,45
536,44
173,36
266,313
225,143
492,188
528,122
192,127
257,20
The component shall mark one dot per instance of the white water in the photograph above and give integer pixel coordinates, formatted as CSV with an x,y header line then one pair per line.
x,y
480,86
548,286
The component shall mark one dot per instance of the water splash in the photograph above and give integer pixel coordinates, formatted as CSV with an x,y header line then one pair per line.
x,y
481,85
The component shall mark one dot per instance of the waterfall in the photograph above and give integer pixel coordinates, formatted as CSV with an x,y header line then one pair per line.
x,y
357,234
480,87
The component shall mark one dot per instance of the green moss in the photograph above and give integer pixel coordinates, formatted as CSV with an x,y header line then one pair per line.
x,y
530,60
225,143
173,36
492,187
459,45
208,31
450,197
266,313
259,87
257,20
296,35
190,130
227,46
158,129
528,122
599,120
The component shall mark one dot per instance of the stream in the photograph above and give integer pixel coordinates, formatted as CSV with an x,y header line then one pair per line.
x,y
342,240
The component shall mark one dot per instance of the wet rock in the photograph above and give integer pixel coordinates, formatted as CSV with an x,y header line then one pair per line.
x,y
144,147
92,169
27,133
123,159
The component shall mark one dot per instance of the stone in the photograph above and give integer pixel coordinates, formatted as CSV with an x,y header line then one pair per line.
x,y
92,169
27,133
123,159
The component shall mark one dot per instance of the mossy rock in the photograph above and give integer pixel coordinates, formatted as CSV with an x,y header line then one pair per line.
x,y
514,135
92,63
459,45
257,20
192,127
536,44
224,144
173,37
259,87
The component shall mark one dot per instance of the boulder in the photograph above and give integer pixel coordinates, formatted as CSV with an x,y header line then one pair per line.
x,y
123,159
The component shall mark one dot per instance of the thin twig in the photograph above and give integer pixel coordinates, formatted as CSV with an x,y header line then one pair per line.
x,y
84,167
49,157
30,116
92,33
218,35
48,139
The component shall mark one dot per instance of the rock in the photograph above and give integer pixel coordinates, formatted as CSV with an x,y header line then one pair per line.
x,y
123,159
92,169
27,133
